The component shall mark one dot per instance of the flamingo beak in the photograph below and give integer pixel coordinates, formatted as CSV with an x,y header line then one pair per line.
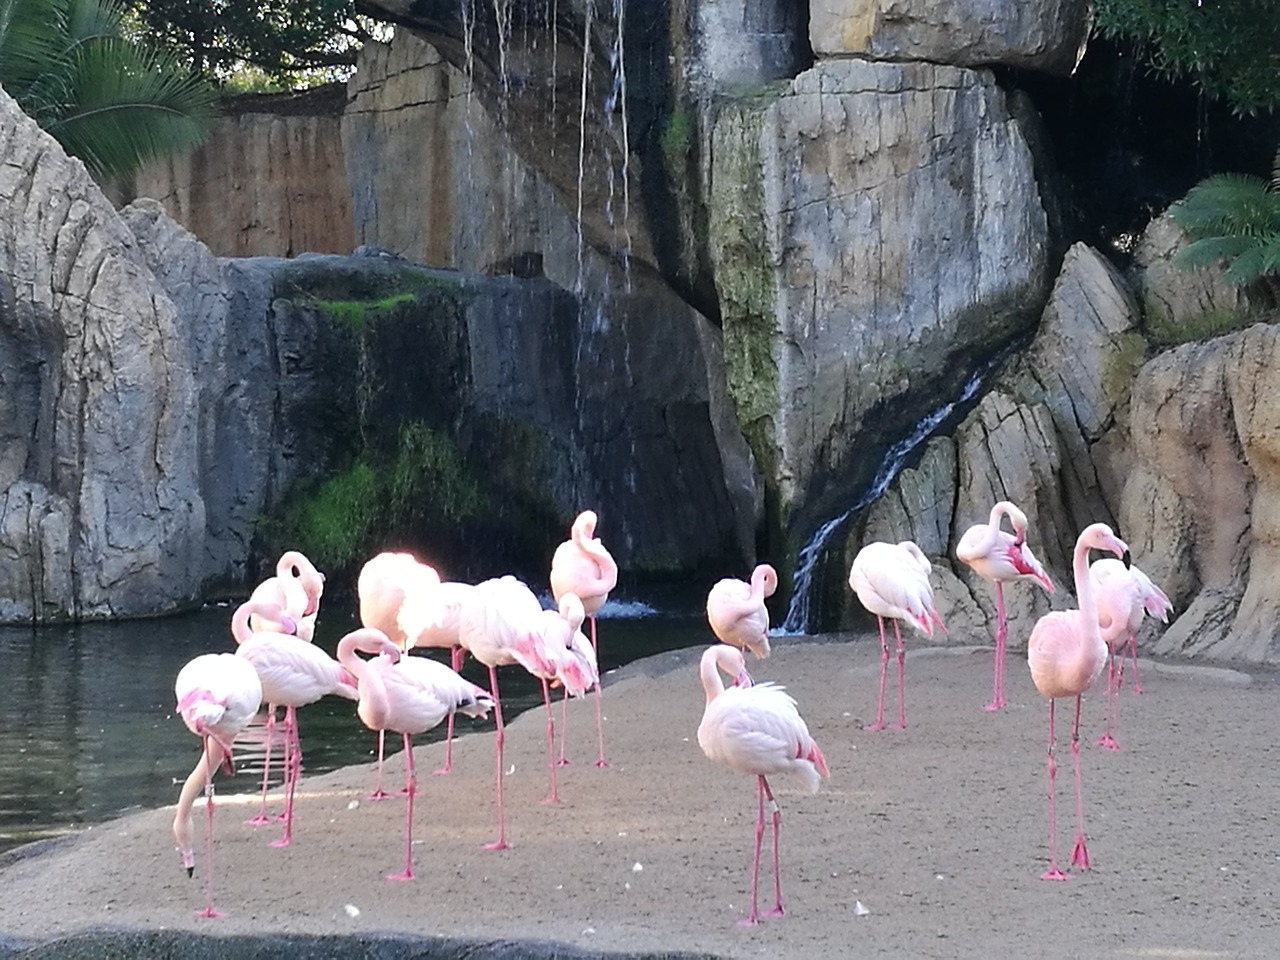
x,y
1127,559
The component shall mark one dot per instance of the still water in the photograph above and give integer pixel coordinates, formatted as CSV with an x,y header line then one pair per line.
x,y
88,730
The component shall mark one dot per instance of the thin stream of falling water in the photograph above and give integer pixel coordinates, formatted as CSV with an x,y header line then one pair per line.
x,y
797,618
582,127
618,95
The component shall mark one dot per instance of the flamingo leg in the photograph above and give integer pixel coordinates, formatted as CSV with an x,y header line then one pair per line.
x,y
378,792
262,817
752,918
1053,873
1133,651
1002,633
776,910
292,770
455,661
1111,701
601,762
212,765
1079,855
411,790
884,663
552,797
902,722
564,728
287,740
501,842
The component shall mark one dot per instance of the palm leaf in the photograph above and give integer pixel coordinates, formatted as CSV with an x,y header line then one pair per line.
x,y
1228,203
1256,262
1211,250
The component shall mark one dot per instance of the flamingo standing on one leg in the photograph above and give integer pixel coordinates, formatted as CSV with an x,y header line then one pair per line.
x,y
293,673
756,729
582,566
408,695
1001,558
385,582
218,694
296,589
737,613
1124,597
892,580
574,660
1066,653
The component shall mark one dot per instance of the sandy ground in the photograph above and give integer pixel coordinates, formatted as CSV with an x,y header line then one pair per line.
x,y
937,831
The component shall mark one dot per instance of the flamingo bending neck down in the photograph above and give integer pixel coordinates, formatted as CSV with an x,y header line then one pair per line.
x,y
1001,558
737,613
892,580
583,566
1065,654
757,730
296,589
1124,597
217,695
407,695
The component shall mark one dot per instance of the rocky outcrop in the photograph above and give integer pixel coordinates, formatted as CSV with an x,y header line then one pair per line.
x,y
100,513
1044,35
1172,295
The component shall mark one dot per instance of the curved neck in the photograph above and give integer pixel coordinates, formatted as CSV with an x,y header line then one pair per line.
x,y
712,685
1084,589
373,692
240,629
606,569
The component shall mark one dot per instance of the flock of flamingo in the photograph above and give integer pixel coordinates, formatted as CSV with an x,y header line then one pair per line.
x,y
753,728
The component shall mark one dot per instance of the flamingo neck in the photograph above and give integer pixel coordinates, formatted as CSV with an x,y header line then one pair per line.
x,y
712,685
372,705
1084,591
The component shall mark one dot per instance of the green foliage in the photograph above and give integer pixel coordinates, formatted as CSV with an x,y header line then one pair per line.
x,y
677,141
1231,218
1229,48
356,313
1212,323
429,476
332,523
112,103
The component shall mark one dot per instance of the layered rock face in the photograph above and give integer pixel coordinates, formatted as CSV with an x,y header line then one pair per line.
x,y
101,513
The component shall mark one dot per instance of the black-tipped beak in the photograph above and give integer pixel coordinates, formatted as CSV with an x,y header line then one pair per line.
x,y
1127,559
191,872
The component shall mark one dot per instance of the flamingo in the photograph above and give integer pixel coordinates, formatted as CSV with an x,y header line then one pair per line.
x,y
1001,558
293,673
217,695
892,580
737,613
757,730
500,625
296,589
575,666
1124,598
408,695
385,582
582,566
1066,653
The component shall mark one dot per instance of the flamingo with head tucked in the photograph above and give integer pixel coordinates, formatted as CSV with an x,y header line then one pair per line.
x,y
892,580
1065,654
218,694
583,566
737,613
1001,558
757,730
1124,597
296,589
408,695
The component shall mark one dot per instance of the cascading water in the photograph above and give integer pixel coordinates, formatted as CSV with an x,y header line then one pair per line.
x,y
797,617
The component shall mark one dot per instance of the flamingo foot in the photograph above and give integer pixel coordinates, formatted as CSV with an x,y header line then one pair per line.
x,y
403,791
447,768
777,911
259,820
379,794
1079,855
602,764
406,875
281,842
1107,742
209,913
551,799
997,703
874,726
497,845
899,726
1053,873
278,818
562,762
750,921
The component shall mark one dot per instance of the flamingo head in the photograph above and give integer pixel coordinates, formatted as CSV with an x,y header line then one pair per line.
x,y
1099,536
585,525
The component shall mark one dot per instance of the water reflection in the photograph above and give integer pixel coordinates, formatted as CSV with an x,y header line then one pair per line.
x,y
87,727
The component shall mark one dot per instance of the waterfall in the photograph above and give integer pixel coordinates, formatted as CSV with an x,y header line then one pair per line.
x,y
797,616
582,127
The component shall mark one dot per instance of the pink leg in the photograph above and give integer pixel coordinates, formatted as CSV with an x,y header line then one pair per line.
x,y
288,737
752,918
1079,855
412,789
1133,651
455,661
501,842
262,817
599,728
292,769
564,726
777,910
1053,873
997,673
1110,702
378,792
884,663
212,765
552,797
902,723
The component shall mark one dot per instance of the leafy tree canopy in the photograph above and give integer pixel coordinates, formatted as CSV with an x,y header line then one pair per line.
x,y
1229,48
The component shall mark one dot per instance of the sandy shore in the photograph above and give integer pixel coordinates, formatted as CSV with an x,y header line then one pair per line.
x,y
925,842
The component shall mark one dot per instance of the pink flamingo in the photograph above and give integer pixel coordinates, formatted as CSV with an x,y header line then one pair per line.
x,y
385,582
892,580
218,694
574,660
581,565
756,729
293,673
1001,558
1066,653
1124,597
737,613
501,625
408,695
296,589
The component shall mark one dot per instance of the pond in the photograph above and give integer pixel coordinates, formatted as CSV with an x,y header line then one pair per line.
x,y
88,730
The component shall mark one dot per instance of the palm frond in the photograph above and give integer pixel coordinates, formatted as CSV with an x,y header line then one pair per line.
x,y
1261,259
1209,251
1228,203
